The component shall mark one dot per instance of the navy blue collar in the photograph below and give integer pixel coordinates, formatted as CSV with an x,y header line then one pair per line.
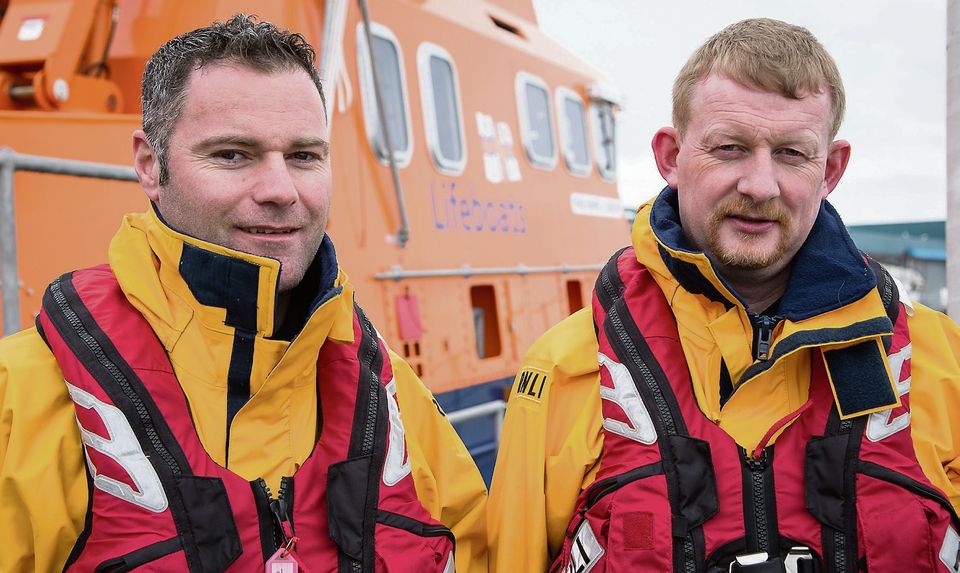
x,y
828,271
228,282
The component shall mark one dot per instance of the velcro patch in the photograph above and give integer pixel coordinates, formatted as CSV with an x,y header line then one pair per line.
x,y
861,379
530,384
586,551
638,530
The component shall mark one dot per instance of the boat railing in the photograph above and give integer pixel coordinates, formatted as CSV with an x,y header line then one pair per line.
x,y
10,162
493,408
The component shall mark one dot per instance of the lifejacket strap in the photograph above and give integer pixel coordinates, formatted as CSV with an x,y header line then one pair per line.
x,y
353,492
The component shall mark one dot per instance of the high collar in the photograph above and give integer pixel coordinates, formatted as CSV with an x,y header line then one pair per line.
x,y
828,272
162,269
830,303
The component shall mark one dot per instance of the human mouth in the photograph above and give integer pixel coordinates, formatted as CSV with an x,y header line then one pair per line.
x,y
750,224
269,230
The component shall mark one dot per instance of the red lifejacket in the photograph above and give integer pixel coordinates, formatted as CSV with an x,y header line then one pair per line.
x,y
159,501
674,492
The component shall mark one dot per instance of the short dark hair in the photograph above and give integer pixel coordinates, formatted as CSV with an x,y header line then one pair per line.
x,y
242,40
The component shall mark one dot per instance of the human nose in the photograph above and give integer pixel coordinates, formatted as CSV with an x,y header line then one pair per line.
x,y
274,182
759,181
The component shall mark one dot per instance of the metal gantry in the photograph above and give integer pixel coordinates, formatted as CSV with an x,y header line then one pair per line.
x,y
10,162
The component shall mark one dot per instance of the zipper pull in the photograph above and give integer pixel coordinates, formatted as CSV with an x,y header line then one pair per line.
x,y
758,461
281,510
282,518
764,326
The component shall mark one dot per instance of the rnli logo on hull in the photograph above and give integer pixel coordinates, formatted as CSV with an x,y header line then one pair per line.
x,y
530,384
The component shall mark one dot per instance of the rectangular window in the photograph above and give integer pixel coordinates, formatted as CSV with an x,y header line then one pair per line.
x,y
486,325
536,123
573,131
393,93
574,296
443,121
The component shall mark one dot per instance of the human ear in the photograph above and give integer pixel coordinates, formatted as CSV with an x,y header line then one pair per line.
x,y
666,148
147,165
837,159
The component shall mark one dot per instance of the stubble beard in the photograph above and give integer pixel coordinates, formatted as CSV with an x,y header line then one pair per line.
x,y
749,254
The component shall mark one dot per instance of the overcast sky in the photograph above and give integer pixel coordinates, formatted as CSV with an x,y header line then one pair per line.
x,y
891,54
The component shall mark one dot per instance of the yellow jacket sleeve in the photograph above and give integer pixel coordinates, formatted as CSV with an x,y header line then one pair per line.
x,y
446,477
43,485
549,447
935,398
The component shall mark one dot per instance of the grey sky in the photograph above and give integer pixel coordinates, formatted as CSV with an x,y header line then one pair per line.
x,y
891,53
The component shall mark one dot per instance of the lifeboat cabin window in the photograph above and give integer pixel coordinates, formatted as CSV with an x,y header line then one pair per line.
x,y
536,125
393,93
604,138
442,120
486,324
573,131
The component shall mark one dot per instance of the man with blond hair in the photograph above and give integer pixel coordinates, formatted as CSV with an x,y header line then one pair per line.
x,y
748,391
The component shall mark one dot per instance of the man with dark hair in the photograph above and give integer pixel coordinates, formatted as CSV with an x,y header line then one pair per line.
x,y
748,392
220,357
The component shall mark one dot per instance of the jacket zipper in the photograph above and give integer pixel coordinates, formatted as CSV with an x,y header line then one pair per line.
x,y
280,509
763,333
840,537
758,491
373,402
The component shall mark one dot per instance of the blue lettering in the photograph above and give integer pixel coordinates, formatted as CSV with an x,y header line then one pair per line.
x,y
433,205
472,213
465,214
523,221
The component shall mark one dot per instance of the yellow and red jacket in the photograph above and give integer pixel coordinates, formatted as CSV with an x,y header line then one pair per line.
x,y
553,434
841,485
44,491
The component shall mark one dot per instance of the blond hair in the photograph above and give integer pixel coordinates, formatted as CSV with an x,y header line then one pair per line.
x,y
766,54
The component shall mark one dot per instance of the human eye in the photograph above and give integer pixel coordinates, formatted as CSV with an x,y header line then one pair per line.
x,y
728,150
228,156
307,158
304,156
791,155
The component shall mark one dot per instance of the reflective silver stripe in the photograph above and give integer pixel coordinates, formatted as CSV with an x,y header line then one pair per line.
x,y
450,567
585,552
624,393
950,550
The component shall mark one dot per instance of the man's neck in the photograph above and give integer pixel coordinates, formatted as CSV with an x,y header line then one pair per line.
x,y
758,288
283,303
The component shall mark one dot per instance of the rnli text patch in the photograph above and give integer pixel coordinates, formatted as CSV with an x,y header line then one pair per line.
x,y
530,384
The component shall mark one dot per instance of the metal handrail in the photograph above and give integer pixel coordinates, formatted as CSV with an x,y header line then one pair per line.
x,y
493,408
397,273
11,161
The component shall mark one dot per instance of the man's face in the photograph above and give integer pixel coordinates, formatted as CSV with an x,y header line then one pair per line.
x,y
751,171
249,165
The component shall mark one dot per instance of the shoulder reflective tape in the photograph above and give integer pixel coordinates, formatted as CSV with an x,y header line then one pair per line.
x,y
397,464
624,393
883,424
122,446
